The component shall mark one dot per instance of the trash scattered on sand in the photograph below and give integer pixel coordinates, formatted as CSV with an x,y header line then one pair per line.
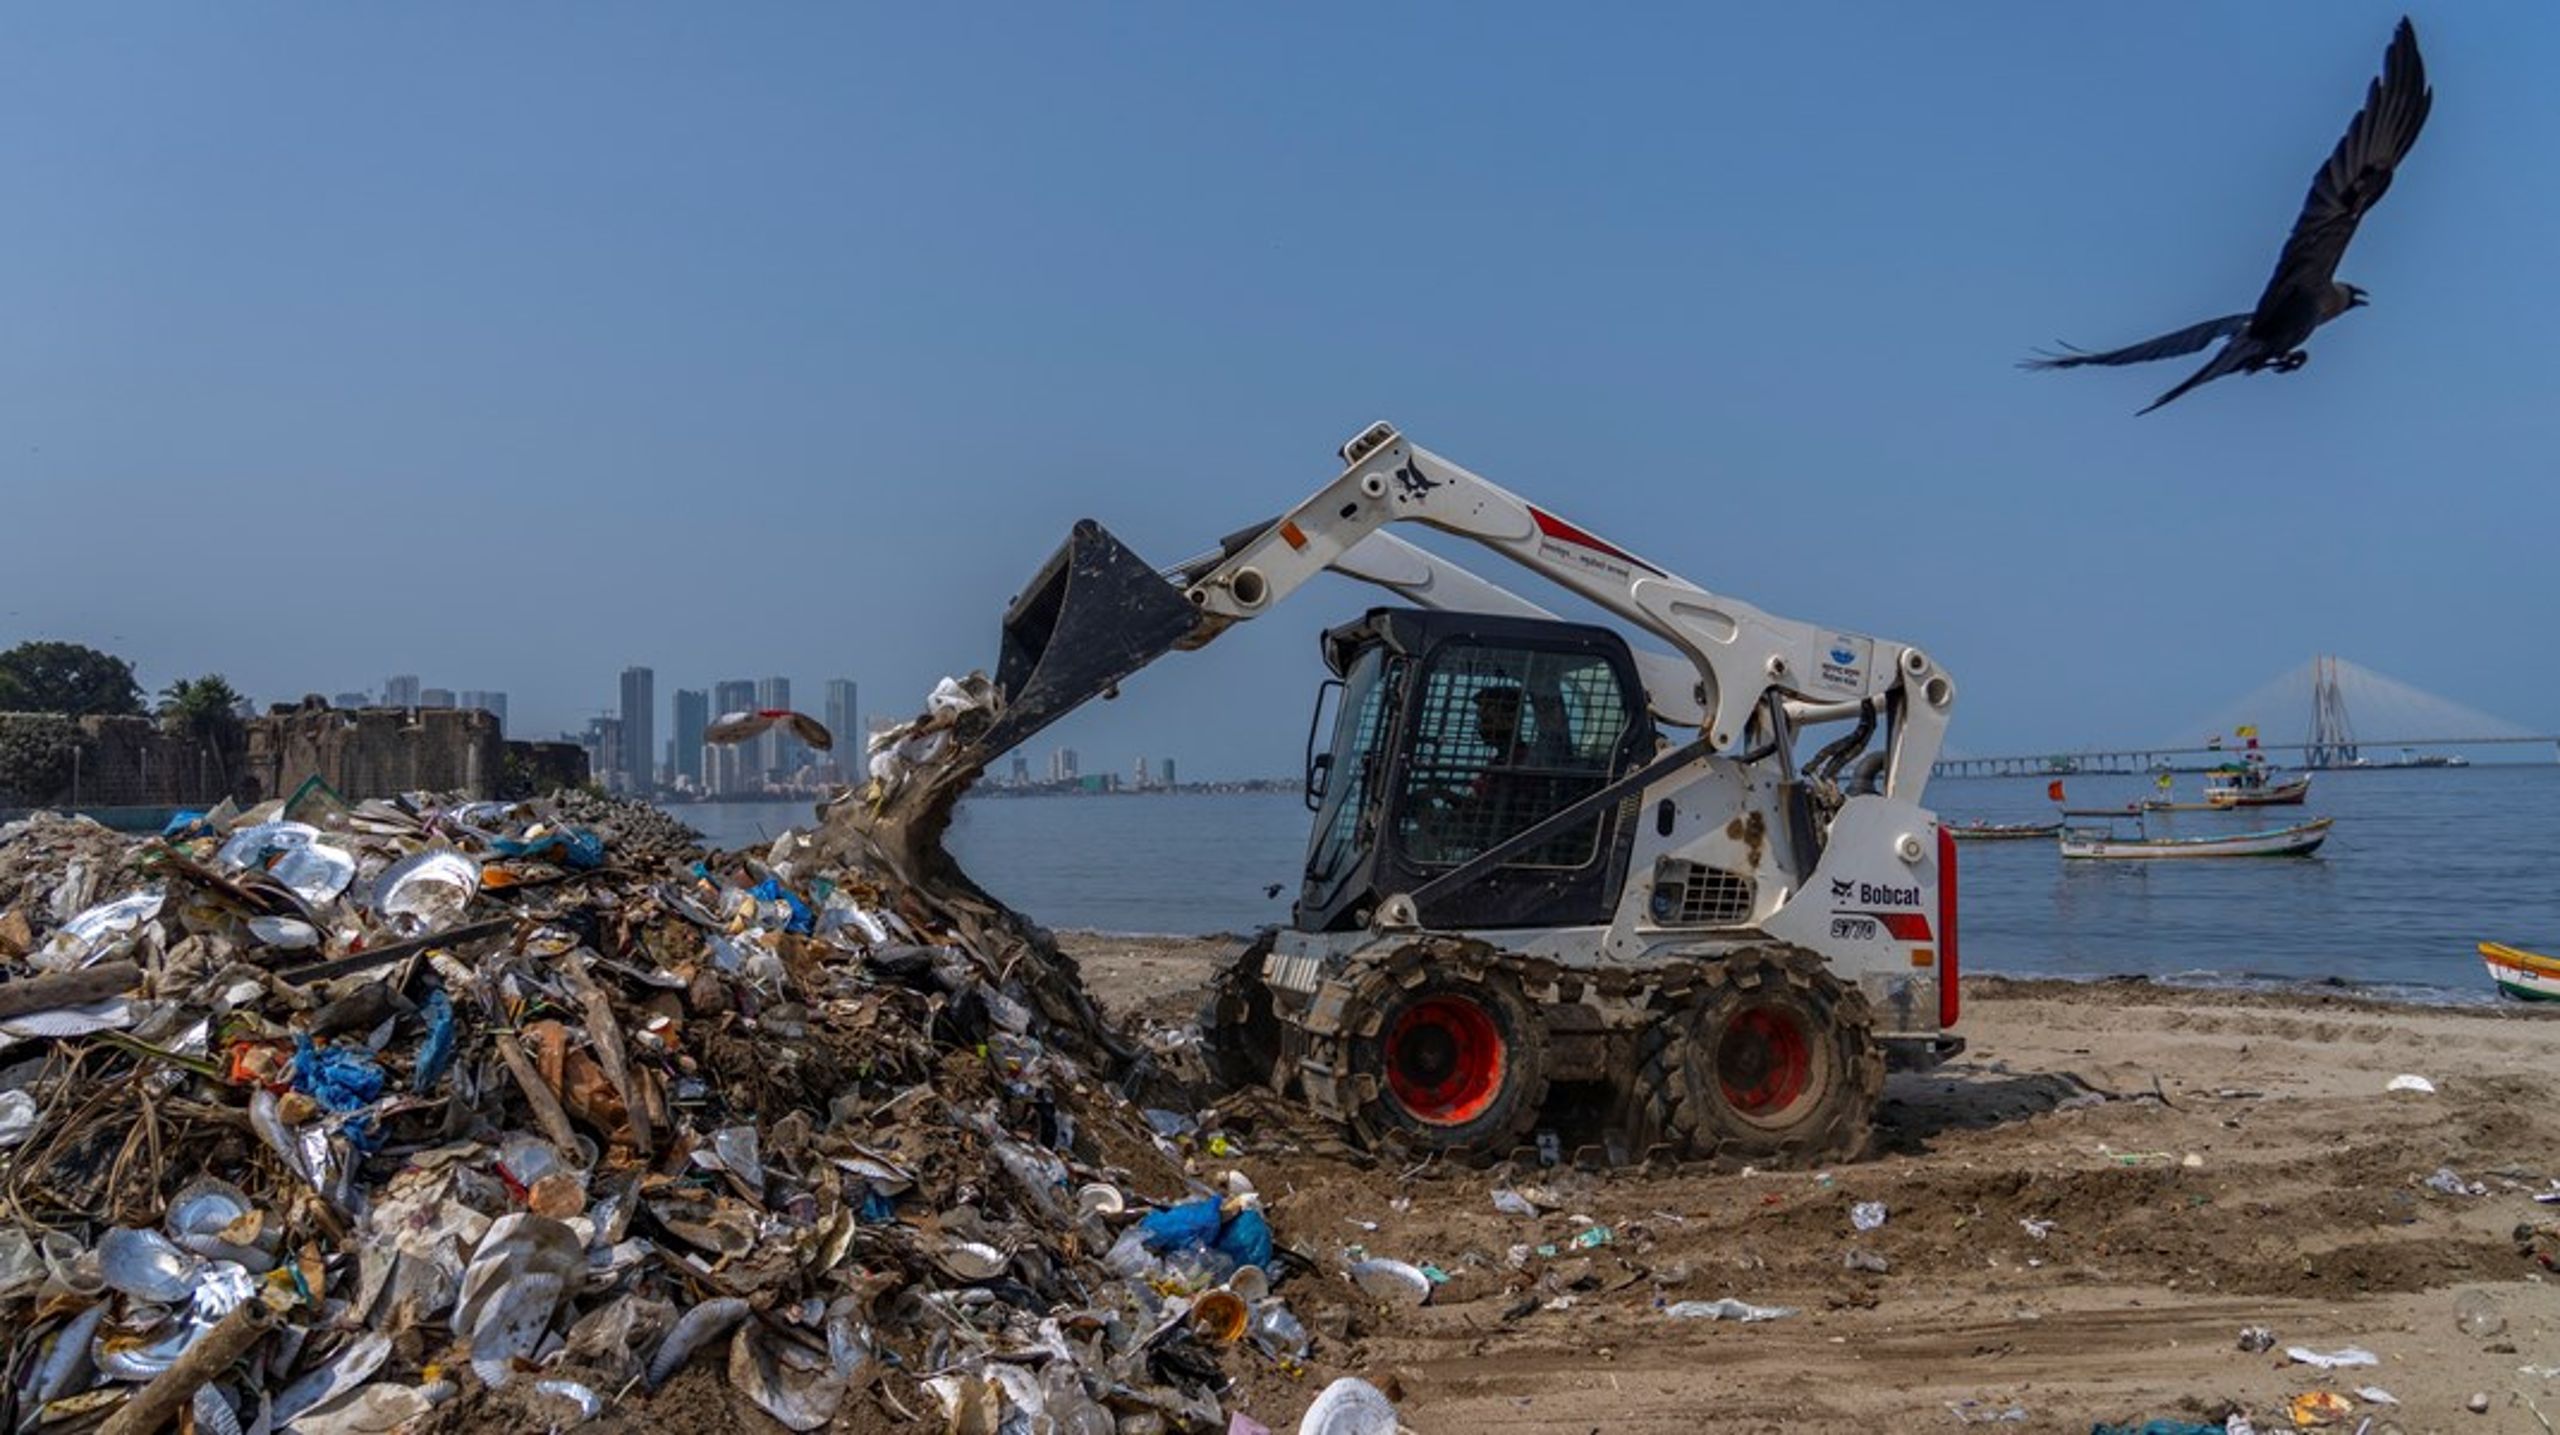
x,y
1726,1309
2257,1339
2039,1229
1391,1282
300,1101
2376,1395
2408,1082
2450,1182
2331,1360
2319,1407
1349,1406
1867,1215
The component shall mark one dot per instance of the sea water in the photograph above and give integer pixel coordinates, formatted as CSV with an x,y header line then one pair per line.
x,y
2421,865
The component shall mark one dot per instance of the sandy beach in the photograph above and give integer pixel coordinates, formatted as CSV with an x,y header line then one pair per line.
x,y
2083,1213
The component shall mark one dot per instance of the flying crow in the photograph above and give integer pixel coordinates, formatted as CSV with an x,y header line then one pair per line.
x,y
2304,294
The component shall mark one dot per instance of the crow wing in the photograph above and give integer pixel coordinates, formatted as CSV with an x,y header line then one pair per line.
x,y
2353,180
2167,346
2234,357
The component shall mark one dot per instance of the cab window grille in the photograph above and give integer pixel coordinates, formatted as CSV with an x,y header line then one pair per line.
x,y
1503,738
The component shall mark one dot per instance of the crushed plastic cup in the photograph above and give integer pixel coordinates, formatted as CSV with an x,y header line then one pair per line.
x,y
2410,1082
1349,1406
1392,1282
1726,1309
1219,1316
2340,1359
17,1117
1277,1330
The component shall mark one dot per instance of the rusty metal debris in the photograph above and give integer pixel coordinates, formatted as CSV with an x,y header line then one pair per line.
x,y
338,1114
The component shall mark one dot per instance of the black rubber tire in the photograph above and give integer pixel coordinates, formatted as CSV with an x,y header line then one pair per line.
x,y
1239,1031
1680,1105
1444,969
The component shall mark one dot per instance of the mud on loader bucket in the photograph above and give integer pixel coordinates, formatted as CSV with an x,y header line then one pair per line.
x,y
1094,614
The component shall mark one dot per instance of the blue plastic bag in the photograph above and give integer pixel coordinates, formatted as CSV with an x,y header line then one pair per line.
x,y
1246,1240
772,890
573,847
185,824
340,1078
1243,1239
435,1051
1189,1226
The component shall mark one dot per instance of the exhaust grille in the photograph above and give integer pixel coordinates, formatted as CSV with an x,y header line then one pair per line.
x,y
1690,894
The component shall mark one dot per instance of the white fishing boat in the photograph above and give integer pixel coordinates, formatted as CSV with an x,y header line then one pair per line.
x,y
2110,842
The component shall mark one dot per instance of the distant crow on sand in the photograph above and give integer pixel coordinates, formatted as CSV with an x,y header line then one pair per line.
x,y
2304,294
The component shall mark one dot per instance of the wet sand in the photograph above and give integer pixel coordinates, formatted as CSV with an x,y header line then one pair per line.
x,y
2252,1170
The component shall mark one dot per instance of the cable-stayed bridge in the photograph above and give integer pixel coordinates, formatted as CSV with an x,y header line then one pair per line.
x,y
2317,712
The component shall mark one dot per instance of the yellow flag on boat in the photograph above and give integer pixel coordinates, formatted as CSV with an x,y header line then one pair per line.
x,y
2245,730
2161,782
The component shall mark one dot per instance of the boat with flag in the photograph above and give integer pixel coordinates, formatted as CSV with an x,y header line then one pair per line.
x,y
2002,831
2110,841
2527,976
2251,784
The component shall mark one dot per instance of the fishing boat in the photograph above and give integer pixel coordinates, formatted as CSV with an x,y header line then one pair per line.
x,y
2250,784
2001,831
2527,976
2300,840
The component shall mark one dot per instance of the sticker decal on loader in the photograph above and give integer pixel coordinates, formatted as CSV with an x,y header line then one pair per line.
x,y
1412,483
1844,664
1565,543
1851,924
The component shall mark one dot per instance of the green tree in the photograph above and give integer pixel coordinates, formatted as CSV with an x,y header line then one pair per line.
x,y
206,707
67,678
206,710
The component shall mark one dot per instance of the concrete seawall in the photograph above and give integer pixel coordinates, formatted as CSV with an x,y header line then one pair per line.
x,y
51,760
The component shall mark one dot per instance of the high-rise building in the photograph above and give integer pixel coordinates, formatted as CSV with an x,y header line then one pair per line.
x,y
352,700
738,695
843,718
1062,765
1140,777
1021,774
401,691
435,697
640,727
492,703
603,742
1168,783
778,751
693,714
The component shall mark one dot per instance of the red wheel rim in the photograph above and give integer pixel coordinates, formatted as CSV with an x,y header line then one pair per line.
x,y
1445,1060
1764,1062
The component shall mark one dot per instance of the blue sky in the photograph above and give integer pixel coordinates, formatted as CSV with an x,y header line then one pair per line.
x,y
510,345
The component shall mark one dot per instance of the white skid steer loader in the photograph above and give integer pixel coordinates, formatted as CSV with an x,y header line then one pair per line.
x,y
1558,888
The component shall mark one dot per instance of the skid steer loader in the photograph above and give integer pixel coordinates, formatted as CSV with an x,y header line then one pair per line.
x,y
1558,889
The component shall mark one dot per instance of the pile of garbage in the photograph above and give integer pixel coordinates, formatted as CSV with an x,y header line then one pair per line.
x,y
337,1116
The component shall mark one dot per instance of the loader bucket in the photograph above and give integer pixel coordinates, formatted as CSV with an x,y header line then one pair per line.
x,y
1094,614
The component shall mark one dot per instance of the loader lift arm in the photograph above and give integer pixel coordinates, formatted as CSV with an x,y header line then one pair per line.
x,y
1094,614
